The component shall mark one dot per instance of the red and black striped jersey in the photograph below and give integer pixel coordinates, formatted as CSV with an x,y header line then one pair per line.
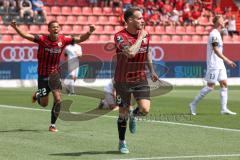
x,y
49,53
130,70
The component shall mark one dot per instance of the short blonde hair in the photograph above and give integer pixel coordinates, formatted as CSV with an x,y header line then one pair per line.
x,y
216,18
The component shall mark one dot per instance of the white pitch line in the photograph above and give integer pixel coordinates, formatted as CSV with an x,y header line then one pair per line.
x,y
183,157
151,121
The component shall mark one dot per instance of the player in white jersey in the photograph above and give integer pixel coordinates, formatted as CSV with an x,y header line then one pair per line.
x,y
109,101
216,70
72,51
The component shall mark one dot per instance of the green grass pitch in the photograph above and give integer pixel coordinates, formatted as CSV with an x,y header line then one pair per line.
x,y
172,133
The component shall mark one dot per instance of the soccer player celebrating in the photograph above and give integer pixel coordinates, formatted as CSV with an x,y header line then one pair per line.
x,y
216,70
130,78
50,49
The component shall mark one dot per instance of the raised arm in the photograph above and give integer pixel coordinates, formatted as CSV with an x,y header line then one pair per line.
x,y
85,36
27,36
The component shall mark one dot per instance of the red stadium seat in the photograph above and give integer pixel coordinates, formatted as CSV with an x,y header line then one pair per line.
x,y
208,29
203,21
77,29
47,9
93,38
85,29
34,29
102,20
60,2
205,38
118,28
165,38
104,38
92,19
6,38
107,10
71,19
11,30
97,11
50,18
199,29
186,38
50,2
99,29
76,10
17,39
3,29
55,10
236,38
150,29
66,29
87,11
180,30
112,38
190,30
62,19
196,38
170,30
108,29
43,29
227,39
72,2
66,10
114,20
176,38
24,28
159,30
82,20
155,38
1,21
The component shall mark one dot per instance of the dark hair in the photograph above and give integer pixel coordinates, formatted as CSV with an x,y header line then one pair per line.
x,y
128,13
51,22
216,18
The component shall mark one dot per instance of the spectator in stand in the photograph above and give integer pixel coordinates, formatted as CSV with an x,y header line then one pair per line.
x,y
217,10
93,3
149,6
139,3
174,18
25,8
165,18
8,4
168,6
105,3
228,13
155,17
179,5
126,4
37,6
115,4
159,4
206,13
186,14
195,15
232,26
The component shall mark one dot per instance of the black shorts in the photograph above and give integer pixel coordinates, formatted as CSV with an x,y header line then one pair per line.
x,y
124,91
48,84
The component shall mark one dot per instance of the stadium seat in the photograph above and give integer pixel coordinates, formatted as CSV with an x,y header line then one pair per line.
x,y
6,38
1,21
50,18
159,30
93,38
34,29
50,2
72,2
203,21
208,29
60,2
180,30
102,20
113,20
82,19
62,19
23,27
77,29
71,19
104,38
118,28
92,19
150,29
170,30
205,38
196,38
55,10
66,10
108,29
155,38
236,38
17,39
107,11
190,30
165,38
85,29
97,11
227,39
87,11
3,29
186,38
199,29
99,29
112,38
66,29
11,30
76,10
43,29
176,38
47,9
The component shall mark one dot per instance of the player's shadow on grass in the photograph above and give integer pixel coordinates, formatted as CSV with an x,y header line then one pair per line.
x,y
20,130
85,153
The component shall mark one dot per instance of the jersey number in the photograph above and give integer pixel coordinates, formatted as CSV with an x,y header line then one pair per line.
x,y
42,91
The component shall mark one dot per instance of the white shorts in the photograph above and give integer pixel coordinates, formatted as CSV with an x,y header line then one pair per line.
x,y
109,98
214,75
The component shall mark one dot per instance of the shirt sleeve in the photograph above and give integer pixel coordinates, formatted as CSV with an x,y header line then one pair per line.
x,y
214,40
38,38
69,40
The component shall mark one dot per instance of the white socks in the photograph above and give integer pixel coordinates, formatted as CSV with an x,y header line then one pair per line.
x,y
71,86
224,98
204,91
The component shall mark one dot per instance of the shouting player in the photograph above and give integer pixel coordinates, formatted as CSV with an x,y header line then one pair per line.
x,y
130,78
216,70
49,52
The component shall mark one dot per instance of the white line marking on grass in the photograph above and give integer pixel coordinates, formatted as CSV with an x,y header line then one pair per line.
x,y
151,121
183,157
